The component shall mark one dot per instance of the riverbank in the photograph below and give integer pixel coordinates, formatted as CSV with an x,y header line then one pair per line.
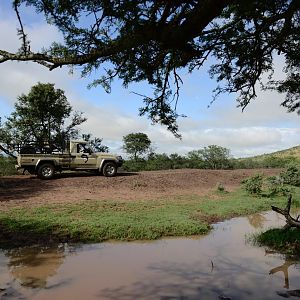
x,y
219,265
93,221
280,240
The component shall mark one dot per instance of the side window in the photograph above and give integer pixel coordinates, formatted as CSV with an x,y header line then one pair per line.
x,y
80,148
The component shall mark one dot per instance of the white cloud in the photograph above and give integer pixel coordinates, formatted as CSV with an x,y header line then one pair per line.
x,y
18,77
242,141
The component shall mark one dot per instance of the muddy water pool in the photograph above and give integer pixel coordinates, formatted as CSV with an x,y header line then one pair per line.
x,y
220,265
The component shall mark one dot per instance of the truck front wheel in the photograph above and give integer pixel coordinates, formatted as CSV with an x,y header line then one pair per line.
x,y
46,171
109,169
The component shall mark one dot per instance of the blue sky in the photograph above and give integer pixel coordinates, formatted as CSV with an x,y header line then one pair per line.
x,y
263,127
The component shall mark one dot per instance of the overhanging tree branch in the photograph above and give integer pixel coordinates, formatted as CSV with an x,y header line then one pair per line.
x,y
290,221
137,39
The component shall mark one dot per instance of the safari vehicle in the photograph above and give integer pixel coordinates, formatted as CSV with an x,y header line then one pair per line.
x,y
78,155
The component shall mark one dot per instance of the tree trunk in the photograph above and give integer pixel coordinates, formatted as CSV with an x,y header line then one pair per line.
x,y
290,221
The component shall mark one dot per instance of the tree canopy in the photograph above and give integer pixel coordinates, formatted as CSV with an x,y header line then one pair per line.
x,y
136,144
151,40
215,157
43,116
95,142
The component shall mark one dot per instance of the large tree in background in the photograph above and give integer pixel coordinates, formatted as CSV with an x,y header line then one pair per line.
x,y
152,40
43,116
136,144
215,157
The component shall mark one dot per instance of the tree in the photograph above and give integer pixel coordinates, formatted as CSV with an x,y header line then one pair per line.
x,y
136,144
290,221
5,140
152,40
215,157
178,161
195,159
96,143
43,116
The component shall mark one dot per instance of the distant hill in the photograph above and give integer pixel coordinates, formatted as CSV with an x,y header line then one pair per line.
x,y
276,159
290,152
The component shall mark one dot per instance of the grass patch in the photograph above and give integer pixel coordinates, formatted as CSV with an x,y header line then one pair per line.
x,y
284,241
7,166
96,221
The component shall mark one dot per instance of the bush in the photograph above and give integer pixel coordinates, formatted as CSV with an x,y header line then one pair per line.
x,y
291,175
268,187
254,184
134,166
275,186
7,166
158,162
221,188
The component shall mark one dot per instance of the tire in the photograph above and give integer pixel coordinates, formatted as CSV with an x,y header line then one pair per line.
x,y
109,169
46,171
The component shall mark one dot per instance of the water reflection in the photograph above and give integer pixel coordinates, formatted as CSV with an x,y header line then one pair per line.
x,y
288,294
257,220
229,280
220,265
284,269
32,266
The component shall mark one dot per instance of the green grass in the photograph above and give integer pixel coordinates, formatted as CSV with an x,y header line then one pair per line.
x,y
96,221
7,166
290,152
279,159
284,241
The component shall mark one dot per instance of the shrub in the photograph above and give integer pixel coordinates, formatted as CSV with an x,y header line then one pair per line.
x,y
291,175
254,184
221,188
134,166
7,166
275,186
268,187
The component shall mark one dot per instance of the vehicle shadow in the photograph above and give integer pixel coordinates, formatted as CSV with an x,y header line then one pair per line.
x,y
22,187
18,188
71,174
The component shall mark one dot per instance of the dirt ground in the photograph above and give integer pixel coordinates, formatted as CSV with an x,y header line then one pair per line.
x,y
25,190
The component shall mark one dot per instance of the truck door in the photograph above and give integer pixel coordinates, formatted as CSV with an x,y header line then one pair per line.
x,y
83,158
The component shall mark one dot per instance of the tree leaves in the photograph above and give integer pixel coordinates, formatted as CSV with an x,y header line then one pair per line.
x,y
43,116
151,40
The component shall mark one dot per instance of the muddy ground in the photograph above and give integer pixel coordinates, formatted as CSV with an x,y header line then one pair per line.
x,y
26,190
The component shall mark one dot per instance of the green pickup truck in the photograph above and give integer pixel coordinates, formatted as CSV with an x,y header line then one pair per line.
x,y
78,155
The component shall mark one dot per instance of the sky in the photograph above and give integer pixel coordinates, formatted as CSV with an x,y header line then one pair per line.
x,y
263,127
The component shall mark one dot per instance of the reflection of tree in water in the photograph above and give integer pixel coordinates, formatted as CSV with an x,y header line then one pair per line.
x,y
225,280
32,266
284,268
257,220
221,277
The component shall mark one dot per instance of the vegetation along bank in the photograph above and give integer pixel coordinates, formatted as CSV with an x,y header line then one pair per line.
x,y
95,219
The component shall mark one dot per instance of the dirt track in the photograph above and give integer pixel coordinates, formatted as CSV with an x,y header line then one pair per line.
x,y
22,190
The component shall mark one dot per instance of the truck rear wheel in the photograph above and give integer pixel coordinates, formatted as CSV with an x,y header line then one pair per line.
x,y
109,169
46,171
